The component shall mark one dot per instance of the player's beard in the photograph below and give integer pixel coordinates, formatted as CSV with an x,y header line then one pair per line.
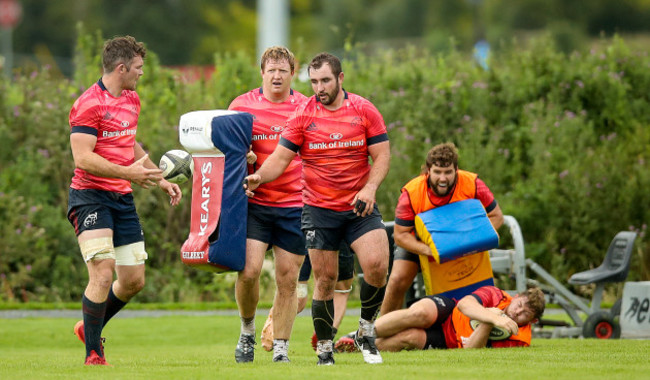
x,y
331,96
447,189
131,82
134,84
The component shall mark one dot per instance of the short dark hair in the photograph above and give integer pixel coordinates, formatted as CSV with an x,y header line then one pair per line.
x,y
121,50
442,155
332,60
278,53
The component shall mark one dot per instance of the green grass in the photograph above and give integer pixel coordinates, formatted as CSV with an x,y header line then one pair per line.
x,y
204,306
182,347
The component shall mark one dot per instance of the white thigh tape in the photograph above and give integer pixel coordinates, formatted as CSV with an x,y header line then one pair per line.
x,y
98,248
130,254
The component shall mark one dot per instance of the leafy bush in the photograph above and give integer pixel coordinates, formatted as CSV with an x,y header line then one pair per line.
x,y
561,140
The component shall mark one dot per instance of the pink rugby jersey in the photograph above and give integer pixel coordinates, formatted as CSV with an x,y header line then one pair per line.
x,y
334,148
269,120
114,121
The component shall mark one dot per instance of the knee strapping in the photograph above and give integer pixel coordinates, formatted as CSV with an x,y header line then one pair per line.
x,y
98,248
302,290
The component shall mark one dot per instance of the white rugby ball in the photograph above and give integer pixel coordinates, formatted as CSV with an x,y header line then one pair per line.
x,y
177,166
497,333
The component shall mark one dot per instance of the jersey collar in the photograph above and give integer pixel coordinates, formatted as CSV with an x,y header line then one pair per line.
x,y
101,84
262,92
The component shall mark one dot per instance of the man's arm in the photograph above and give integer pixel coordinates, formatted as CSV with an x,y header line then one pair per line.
x,y
479,337
405,239
469,306
380,154
83,145
496,217
271,169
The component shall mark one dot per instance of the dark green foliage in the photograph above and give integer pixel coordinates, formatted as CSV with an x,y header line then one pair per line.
x,y
561,140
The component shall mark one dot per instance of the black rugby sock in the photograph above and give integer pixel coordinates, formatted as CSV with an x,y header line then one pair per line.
x,y
322,313
371,299
113,305
93,323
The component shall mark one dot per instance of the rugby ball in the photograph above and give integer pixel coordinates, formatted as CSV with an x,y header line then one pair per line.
x,y
177,166
497,333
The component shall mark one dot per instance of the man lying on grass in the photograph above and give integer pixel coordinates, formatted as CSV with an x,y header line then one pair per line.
x,y
488,317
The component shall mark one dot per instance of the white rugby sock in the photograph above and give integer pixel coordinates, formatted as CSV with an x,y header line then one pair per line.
x,y
248,325
366,328
280,347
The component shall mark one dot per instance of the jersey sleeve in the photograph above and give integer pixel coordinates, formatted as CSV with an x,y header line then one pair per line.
x,y
376,131
488,296
85,117
292,137
404,213
484,195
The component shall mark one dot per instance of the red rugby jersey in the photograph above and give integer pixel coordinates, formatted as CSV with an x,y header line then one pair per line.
x,y
334,148
114,121
269,120
488,296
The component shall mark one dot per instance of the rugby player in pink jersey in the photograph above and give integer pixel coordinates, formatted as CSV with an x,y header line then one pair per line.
x,y
107,157
274,213
335,133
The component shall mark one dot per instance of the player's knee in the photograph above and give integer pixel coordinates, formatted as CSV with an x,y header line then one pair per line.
x,y
101,277
247,279
376,270
328,277
327,286
421,315
286,288
286,278
132,286
375,278
400,281
250,274
102,281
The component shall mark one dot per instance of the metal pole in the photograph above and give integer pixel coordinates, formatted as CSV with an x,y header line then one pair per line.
x,y
272,24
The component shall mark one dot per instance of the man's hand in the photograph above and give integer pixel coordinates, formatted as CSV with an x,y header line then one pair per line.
x,y
251,183
173,190
251,157
364,200
145,177
507,323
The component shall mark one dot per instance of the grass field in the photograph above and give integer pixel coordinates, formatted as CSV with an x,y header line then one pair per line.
x,y
201,347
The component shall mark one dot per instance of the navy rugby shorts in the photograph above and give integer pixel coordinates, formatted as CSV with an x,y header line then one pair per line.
x,y
325,229
92,209
276,226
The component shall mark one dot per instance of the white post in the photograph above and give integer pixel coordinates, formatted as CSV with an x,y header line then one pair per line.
x,y
272,24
